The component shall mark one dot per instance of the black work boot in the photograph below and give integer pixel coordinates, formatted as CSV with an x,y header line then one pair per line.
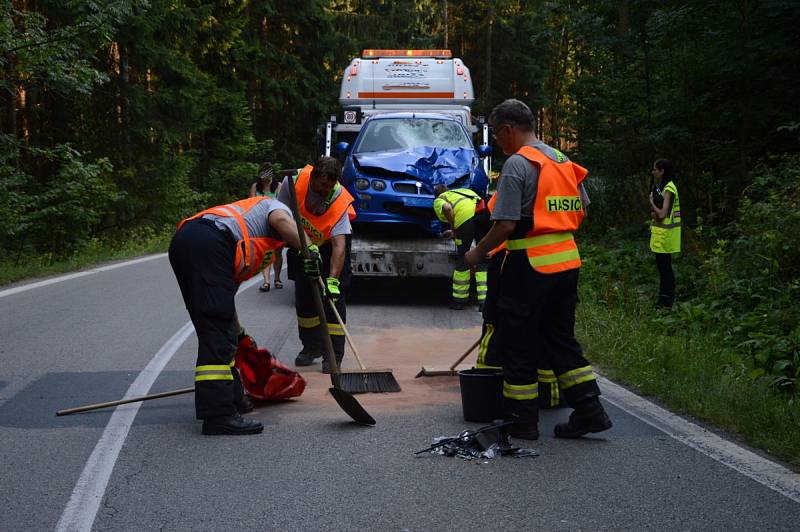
x,y
304,358
588,416
244,405
523,430
233,424
326,368
457,304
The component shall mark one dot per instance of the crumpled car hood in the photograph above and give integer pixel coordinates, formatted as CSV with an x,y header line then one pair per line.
x,y
428,164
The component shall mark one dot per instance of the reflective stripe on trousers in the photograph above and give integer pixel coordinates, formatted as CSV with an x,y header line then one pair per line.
x,y
483,348
460,284
548,376
480,284
576,376
213,372
520,392
334,329
308,323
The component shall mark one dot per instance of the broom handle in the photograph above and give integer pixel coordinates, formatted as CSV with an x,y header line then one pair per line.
x,y
341,322
467,352
97,406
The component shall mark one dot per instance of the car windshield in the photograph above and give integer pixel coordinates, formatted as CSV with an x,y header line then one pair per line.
x,y
401,133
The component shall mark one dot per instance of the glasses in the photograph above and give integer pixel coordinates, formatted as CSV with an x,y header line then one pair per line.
x,y
497,130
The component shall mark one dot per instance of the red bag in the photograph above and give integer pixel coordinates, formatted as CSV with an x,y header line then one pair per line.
x,y
263,376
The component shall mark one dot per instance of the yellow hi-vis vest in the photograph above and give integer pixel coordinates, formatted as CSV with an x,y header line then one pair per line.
x,y
463,201
665,236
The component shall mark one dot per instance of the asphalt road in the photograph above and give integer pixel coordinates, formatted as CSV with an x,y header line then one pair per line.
x,y
87,339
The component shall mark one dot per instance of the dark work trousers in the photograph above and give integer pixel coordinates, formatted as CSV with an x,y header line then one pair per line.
x,y
489,350
308,324
202,258
467,232
536,324
489,354
666,284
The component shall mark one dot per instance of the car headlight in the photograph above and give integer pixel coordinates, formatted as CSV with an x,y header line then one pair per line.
x,y
379,185
362,184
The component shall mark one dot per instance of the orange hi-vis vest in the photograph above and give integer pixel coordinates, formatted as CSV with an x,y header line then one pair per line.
x,y
253,253
557,212
319,227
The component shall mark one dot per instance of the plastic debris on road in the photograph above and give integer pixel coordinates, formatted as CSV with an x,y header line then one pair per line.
x,y
486,442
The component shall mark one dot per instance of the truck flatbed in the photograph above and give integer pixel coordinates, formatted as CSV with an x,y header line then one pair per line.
x,y
373,256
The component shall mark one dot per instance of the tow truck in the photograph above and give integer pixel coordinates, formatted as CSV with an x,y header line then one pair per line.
x,y
405,126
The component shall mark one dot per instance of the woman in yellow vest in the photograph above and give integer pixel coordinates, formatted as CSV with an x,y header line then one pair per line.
x,y
665,230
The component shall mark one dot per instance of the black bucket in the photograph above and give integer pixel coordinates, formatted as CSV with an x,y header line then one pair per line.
x,y
481,394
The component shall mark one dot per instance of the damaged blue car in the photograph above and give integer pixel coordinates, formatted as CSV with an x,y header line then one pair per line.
x,y
397,159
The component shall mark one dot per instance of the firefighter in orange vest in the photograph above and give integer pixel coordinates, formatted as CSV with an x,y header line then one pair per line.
x,y
325,207
489,353
212,253
539,205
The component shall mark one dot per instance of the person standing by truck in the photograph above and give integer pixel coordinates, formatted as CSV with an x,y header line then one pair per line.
x,y
325,208
465,211
665,229
265,186
211,254
539,205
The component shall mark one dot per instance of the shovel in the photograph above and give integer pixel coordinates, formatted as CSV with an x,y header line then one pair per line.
x,y
346,401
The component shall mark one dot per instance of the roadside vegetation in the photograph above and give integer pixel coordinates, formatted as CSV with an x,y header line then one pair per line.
x,y
729,351
119,118
124,245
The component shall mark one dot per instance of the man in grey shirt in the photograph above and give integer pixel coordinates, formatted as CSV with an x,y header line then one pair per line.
x,y
322,194
209,268
538,283
519,181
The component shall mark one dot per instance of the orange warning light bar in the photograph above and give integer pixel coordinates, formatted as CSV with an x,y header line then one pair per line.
x,y
447,54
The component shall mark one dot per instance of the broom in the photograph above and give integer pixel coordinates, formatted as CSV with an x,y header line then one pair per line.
x,y
447,372
363,380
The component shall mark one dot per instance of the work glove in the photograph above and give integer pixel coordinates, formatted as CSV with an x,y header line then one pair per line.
x,y
332,288
313,264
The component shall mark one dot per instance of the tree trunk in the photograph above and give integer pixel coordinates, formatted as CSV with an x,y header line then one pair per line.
x,y
124,99
11,97
623,19
446,27
488,74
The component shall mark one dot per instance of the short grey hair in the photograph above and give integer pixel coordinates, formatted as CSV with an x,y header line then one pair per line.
x,y
514,112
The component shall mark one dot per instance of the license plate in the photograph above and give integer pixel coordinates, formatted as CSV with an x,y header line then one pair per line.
x,y
418,202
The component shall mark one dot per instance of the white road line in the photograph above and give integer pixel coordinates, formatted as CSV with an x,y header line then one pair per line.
x,y
748,463
81,510
92,271
88,493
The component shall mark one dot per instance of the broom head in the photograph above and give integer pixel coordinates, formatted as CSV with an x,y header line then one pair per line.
x,y
368,381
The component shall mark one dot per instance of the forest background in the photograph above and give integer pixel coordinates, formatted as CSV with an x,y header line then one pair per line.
x,y
118,118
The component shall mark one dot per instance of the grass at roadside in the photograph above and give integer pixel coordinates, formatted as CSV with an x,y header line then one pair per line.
x,y
131,244
687,365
